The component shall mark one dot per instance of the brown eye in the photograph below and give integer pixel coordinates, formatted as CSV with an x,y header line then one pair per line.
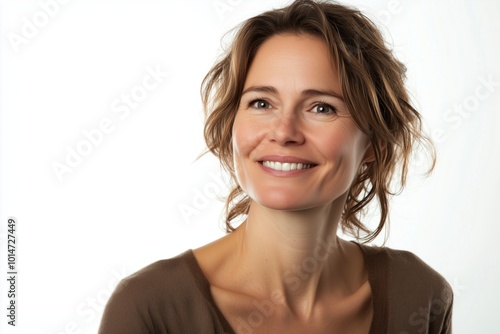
x,y
260,104
323,108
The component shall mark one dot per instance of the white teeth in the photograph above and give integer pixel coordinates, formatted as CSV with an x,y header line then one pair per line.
x,y
286,166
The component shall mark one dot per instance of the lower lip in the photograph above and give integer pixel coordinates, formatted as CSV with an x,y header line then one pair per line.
x,y
275,172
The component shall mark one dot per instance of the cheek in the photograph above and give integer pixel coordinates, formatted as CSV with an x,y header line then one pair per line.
x,y
344,149
247,135
246,138
342,143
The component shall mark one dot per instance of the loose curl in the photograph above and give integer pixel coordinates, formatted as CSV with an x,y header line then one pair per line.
x,y
372,83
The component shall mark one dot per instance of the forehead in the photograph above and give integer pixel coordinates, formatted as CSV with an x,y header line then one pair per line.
x,y
291,60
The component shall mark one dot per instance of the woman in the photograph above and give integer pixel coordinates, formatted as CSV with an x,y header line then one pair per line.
x,y
308,113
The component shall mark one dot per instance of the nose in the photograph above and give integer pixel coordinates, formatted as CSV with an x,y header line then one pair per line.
x,y
286,129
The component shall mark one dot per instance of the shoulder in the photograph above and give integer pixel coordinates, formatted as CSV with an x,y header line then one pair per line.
x,y
176,281
153,297
404,264
162,274
417,296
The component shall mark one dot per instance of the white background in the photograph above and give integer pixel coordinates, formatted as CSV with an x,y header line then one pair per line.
x,y
120,208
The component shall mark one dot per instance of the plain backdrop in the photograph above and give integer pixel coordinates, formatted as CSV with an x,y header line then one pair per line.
x,y
101,124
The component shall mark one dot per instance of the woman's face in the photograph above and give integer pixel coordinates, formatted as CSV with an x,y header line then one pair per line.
x,y
295,145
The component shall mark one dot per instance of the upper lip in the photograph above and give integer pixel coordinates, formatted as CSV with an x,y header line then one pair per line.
x,y
286,158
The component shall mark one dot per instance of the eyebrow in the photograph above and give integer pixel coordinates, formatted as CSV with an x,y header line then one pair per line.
x,y
307,92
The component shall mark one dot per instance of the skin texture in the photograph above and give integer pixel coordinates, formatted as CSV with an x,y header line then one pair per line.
x,y
289,124
287,253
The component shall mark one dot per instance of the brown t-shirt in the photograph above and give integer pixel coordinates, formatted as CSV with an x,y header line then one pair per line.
x,y
173,296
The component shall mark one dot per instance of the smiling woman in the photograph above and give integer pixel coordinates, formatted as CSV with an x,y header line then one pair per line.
x,y
308,113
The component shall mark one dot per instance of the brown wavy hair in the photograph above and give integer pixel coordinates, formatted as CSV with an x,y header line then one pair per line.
x,y
372,82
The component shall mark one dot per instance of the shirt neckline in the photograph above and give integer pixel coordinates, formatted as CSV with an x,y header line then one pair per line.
x,y
375,266
204,286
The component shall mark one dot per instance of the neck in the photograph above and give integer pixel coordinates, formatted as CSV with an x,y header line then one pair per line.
x,y
295,255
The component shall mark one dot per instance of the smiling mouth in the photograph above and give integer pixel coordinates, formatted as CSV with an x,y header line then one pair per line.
x,y
286,166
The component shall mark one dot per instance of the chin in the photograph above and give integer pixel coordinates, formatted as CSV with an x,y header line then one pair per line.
x,y
284,201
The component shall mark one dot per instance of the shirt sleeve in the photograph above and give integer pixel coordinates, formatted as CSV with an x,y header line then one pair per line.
x,y
447,323
122,313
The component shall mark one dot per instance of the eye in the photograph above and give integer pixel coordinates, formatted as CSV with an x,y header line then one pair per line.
x,y
260,104
323,108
